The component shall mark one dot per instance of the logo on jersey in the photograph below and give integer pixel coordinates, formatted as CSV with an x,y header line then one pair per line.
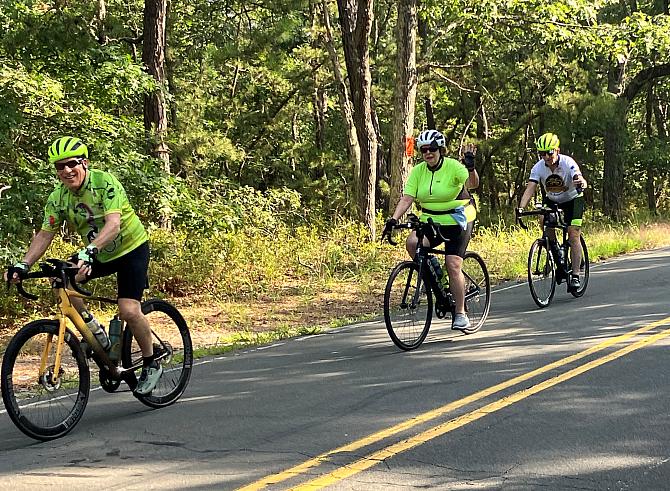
x,y
555,184
52,221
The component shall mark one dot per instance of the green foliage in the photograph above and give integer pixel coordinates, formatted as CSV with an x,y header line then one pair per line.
x,y
260,187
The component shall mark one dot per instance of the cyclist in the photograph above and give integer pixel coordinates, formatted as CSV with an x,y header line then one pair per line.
x,y
440,187
94,203
562,183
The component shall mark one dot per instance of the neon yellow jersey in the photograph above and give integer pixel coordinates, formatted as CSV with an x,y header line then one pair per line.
x,y
85,211
440,190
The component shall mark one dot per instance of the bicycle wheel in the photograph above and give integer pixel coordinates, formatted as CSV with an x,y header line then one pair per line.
x,y
477,290
172,347
408,306
44,406
541,274
584,278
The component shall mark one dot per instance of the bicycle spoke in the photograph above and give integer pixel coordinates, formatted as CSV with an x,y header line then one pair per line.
x,y
541,276
407,323
49,404
477,290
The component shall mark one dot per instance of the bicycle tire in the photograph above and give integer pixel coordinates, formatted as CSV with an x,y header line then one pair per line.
x,y
477,291
171,337
585,269
44,407
408,306
541,274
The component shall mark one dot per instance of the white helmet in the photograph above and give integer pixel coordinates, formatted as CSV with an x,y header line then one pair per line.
x,y
429,136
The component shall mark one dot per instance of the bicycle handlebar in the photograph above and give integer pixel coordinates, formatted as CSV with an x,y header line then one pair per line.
x,y
543,211
65,271
413,223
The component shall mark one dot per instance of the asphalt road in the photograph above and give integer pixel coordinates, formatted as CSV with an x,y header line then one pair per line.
x,y
573,396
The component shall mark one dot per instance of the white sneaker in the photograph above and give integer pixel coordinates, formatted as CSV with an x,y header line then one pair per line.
x,y
460,322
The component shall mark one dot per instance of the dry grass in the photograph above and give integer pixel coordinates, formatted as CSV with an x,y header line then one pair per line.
x,y
295,303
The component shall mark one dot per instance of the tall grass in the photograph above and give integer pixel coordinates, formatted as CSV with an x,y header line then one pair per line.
x,y
263,264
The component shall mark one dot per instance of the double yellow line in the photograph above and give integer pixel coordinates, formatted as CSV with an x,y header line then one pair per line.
x,y
376,457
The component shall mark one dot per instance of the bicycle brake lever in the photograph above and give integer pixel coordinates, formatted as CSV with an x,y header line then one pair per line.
x,y
520,222
70,272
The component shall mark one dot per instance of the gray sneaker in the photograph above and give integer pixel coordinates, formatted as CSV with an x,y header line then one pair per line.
x,y
460,322
149,378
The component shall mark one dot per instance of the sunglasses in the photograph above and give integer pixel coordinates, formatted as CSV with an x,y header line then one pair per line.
x,y
550,152
432,148
71,164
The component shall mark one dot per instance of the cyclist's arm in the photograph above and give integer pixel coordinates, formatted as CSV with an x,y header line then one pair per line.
x,y
576,174
528,194
403,205
109,231
473,180
579,180
38,246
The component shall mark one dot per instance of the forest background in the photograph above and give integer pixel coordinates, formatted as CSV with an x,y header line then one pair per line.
x,y
263,143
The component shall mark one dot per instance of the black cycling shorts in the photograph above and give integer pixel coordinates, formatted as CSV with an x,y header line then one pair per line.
x,y
131,272
573,209
458,238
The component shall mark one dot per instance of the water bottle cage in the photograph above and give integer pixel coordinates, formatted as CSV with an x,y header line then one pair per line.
x,y
436,281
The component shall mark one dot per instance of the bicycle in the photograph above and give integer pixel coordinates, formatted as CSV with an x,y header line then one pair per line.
x,y
412,289
45,377
549,262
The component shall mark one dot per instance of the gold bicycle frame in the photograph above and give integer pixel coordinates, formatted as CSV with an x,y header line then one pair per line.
x,y
67,311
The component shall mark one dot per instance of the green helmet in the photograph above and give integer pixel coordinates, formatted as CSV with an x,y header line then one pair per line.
x,y
66,147
547,142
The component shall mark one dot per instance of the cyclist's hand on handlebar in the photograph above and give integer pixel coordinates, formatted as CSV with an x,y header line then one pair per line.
x,y
518,211
388,227
84,261
16,273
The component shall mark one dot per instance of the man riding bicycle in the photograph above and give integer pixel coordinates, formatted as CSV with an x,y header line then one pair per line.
x,y
440,187
94,203
562,183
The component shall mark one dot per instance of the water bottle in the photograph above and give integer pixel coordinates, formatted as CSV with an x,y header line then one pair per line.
x,y
556,251
436,268
97,330
115,328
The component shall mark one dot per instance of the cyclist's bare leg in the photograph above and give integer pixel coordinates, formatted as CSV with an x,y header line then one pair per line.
x,y
130,310
78,304
456,282
575,248
412,241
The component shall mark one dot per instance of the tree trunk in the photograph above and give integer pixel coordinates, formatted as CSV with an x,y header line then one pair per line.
x,y
356,23
615,132
153,57
430,114
613,171
650,186
404,99
383,163
319,100
100,17
346,108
